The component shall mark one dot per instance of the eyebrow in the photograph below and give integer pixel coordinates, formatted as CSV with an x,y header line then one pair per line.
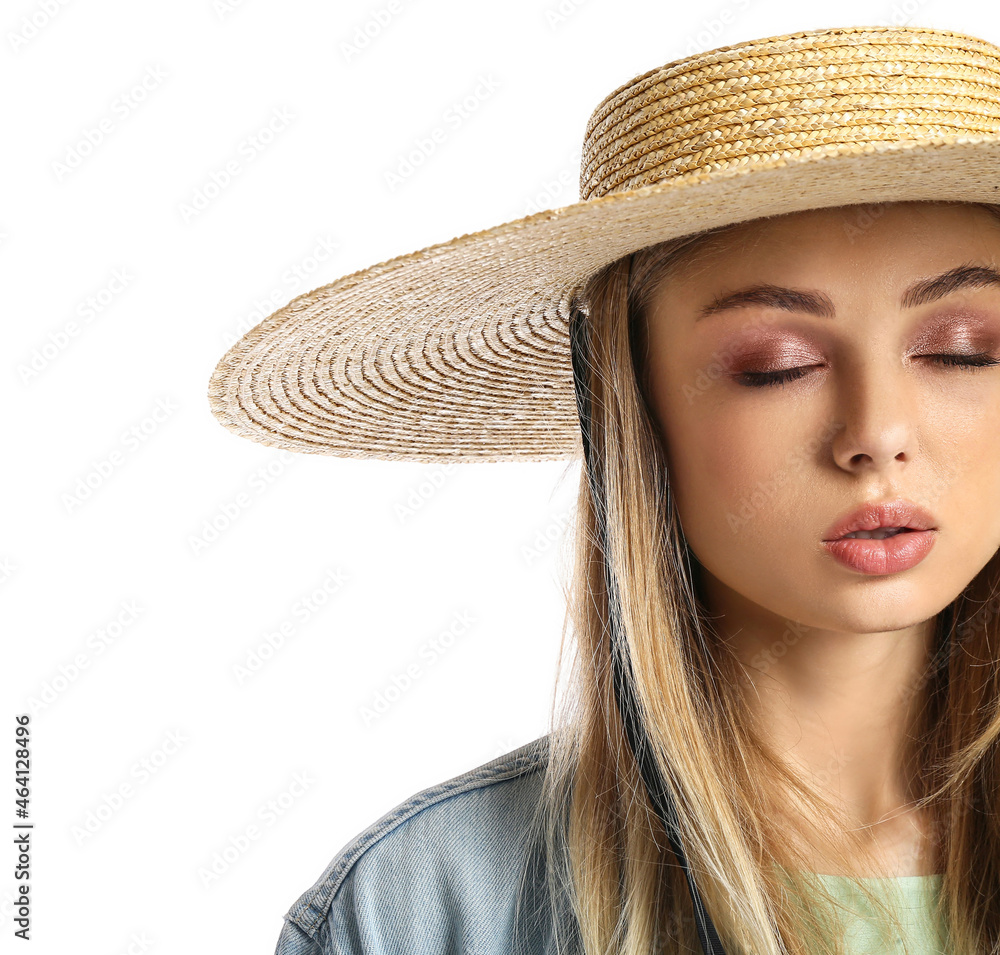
x,y
968,276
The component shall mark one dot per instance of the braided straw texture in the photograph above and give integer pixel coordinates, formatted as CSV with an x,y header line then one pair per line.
x,y
460,351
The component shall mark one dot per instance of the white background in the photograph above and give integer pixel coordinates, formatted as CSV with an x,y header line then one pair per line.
x,y
154,756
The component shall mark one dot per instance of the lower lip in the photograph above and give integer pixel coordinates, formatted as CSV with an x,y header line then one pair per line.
x,y
877,557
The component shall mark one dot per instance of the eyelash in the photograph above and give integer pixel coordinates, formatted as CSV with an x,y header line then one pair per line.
x,y
761,379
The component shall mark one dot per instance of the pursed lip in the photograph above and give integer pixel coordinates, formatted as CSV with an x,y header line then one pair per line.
x,y
870,516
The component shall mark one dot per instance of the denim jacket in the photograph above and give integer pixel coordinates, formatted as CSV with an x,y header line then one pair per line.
x,y
456,869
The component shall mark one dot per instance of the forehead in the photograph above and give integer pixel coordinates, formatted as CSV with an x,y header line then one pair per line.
x,y
886,245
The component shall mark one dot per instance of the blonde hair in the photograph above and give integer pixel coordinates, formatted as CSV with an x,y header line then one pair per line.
x,y
608,861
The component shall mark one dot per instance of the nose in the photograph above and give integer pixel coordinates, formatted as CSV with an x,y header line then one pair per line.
x,y
876,414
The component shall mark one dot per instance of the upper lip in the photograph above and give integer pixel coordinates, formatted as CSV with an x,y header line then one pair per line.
x,y
870,516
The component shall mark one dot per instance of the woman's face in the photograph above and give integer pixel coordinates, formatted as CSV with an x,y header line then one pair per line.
x,y
760,473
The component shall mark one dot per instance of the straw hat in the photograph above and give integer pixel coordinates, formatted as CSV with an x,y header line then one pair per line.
x,y
460,351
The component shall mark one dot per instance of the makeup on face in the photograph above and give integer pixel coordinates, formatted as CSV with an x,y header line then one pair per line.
x,y
963,335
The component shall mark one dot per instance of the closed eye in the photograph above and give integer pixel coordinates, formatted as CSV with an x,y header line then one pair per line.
x,y
760,379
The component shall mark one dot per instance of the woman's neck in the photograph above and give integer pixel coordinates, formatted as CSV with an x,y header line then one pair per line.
x,y
842,708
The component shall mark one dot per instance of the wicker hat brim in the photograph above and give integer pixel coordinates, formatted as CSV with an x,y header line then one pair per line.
x,y
460,351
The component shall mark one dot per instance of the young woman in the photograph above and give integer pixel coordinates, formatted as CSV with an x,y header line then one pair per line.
x,y
771,332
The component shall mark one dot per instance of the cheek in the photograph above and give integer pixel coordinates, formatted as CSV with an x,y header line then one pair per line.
x,y
965,486
734,475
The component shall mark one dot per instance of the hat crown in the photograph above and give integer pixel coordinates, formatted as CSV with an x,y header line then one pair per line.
x,y
790,95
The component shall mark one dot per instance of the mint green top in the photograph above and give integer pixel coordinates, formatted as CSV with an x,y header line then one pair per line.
x,y
916,895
